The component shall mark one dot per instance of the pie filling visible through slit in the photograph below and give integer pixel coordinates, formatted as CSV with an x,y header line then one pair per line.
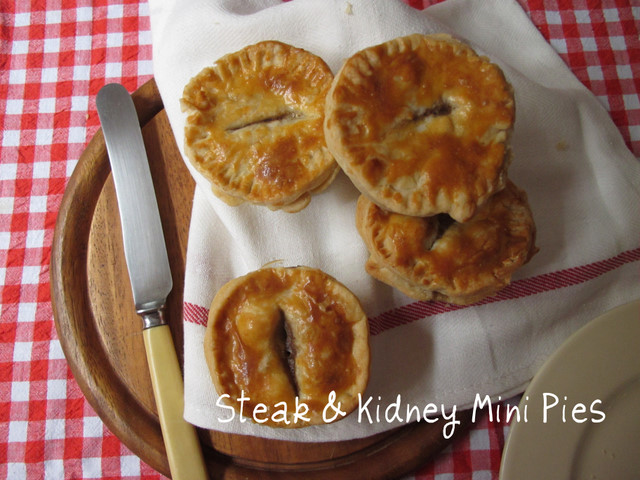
x,y
254,126
281,336
421,125
436,258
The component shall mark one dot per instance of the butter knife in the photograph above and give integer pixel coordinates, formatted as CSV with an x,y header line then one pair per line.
x,y
149,273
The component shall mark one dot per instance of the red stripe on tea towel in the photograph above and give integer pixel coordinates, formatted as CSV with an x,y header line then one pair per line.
x,y
193,313
522,288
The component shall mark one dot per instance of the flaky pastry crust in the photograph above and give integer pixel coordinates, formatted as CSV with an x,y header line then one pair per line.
x,y
254,126
280,333
421,125
436,258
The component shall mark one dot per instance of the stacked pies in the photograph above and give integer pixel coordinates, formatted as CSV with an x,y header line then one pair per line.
x,y
421,125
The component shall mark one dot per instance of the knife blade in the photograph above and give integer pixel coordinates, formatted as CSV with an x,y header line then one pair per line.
x,y
149,273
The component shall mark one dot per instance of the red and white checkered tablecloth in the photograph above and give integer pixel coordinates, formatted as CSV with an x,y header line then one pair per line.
x,y
54,56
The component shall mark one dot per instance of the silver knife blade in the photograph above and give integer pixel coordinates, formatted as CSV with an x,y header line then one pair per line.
x,y
144,246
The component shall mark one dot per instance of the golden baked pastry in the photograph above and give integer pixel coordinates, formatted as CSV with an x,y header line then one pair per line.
x,y
254,126
436,258
280,333
421,125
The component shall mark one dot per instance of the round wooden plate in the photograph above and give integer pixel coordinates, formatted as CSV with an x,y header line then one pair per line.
x,y
101,334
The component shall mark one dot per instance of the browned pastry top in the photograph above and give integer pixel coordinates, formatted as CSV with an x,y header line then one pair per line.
x,y
281,333
421,124
438,258
254,125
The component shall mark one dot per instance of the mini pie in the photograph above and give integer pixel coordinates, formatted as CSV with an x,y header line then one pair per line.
x,y
254,126
436,258
421,125
280,333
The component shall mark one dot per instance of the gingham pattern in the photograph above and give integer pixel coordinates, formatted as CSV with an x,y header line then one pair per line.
x,y
55,56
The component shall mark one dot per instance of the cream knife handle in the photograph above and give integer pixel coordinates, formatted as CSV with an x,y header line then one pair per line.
x,y
180,437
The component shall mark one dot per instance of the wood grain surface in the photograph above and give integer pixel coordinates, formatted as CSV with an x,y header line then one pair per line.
x,y
101,334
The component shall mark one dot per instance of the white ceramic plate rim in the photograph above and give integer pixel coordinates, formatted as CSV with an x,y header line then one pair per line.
x,y
591,366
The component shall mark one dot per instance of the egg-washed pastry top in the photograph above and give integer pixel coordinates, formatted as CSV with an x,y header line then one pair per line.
x,y
436,258
421,125
280,333
254,126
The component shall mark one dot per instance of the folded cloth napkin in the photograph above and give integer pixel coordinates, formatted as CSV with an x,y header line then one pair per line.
x,y
568,155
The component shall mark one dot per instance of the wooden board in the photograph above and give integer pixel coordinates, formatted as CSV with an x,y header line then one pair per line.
x,y
101,334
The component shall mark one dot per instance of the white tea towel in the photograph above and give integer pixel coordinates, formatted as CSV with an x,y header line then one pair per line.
x,y
581,180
